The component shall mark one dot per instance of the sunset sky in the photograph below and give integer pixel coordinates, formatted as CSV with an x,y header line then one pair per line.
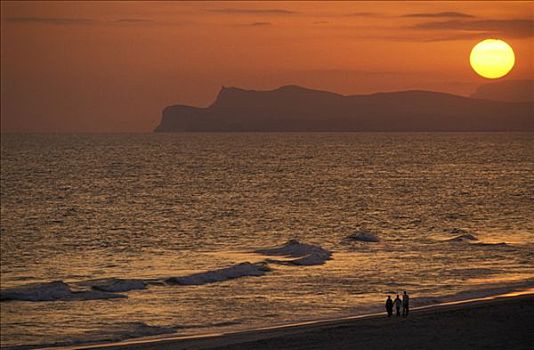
x,y
113,66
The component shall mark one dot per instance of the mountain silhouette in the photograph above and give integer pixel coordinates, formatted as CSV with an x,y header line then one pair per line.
x,y
294,108
507,91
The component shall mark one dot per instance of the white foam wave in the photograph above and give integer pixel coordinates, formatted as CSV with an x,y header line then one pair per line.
x,y
463,238
455,230
108,288
52,291
235,271
364,236
305,254
115,285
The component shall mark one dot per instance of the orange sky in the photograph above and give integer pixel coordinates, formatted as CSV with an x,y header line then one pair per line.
x,y
113,66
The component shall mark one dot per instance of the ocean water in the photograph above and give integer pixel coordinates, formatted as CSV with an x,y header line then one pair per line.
x,y
168,220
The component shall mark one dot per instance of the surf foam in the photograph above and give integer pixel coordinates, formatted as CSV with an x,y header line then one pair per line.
x,y
235,271
364,236
455,230
52,291
115,285
109,288
304,254
463,238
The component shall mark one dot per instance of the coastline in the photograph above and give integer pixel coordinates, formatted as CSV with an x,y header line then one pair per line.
x,y
514,310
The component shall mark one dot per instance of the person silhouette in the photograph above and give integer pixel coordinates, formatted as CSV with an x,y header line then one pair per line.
x,y
389,306
405,304
398,304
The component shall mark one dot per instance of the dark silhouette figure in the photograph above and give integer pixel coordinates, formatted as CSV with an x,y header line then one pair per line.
x,y
405,304
398,304
389,306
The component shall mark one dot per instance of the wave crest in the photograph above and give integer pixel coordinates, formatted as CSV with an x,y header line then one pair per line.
x,y
463,238
109,288
364,236
305,254
53,291
219,275
116,285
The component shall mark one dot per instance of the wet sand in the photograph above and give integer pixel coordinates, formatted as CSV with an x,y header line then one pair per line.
x,y
502,323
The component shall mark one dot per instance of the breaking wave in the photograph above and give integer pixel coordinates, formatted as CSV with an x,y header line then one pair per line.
x,y
363,236
463,238
455,231
109,288
304,254
114,285
53,291
466,237
235,271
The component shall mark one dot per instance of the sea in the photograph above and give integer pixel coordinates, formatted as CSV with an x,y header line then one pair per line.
x,y
110,237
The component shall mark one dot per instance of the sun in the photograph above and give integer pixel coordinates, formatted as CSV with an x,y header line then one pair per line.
x,y
492,58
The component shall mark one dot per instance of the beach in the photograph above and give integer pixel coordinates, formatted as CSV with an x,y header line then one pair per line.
x,y
506,322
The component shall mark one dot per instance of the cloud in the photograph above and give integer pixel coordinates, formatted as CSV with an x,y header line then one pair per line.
x,y
71,21
459,36
362,14
261,24
253,24
516,28
133,20
64,21
440,15
239,11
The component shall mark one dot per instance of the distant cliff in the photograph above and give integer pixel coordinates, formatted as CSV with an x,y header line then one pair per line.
x,y
293,108
507,91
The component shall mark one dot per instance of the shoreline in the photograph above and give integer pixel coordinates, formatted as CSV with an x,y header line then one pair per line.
x,y
294,330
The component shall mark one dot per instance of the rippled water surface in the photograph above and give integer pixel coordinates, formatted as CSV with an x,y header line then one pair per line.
x,y
149,207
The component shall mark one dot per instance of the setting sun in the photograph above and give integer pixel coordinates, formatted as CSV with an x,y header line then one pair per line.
x,y
492,58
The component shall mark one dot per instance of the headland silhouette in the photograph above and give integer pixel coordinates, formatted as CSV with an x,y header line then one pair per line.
x,y
295,108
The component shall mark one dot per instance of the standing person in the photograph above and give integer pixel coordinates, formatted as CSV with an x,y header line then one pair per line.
x,y
398,304
405,304
389,306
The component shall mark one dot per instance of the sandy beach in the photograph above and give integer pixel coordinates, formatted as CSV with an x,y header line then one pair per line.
x,y
505,322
